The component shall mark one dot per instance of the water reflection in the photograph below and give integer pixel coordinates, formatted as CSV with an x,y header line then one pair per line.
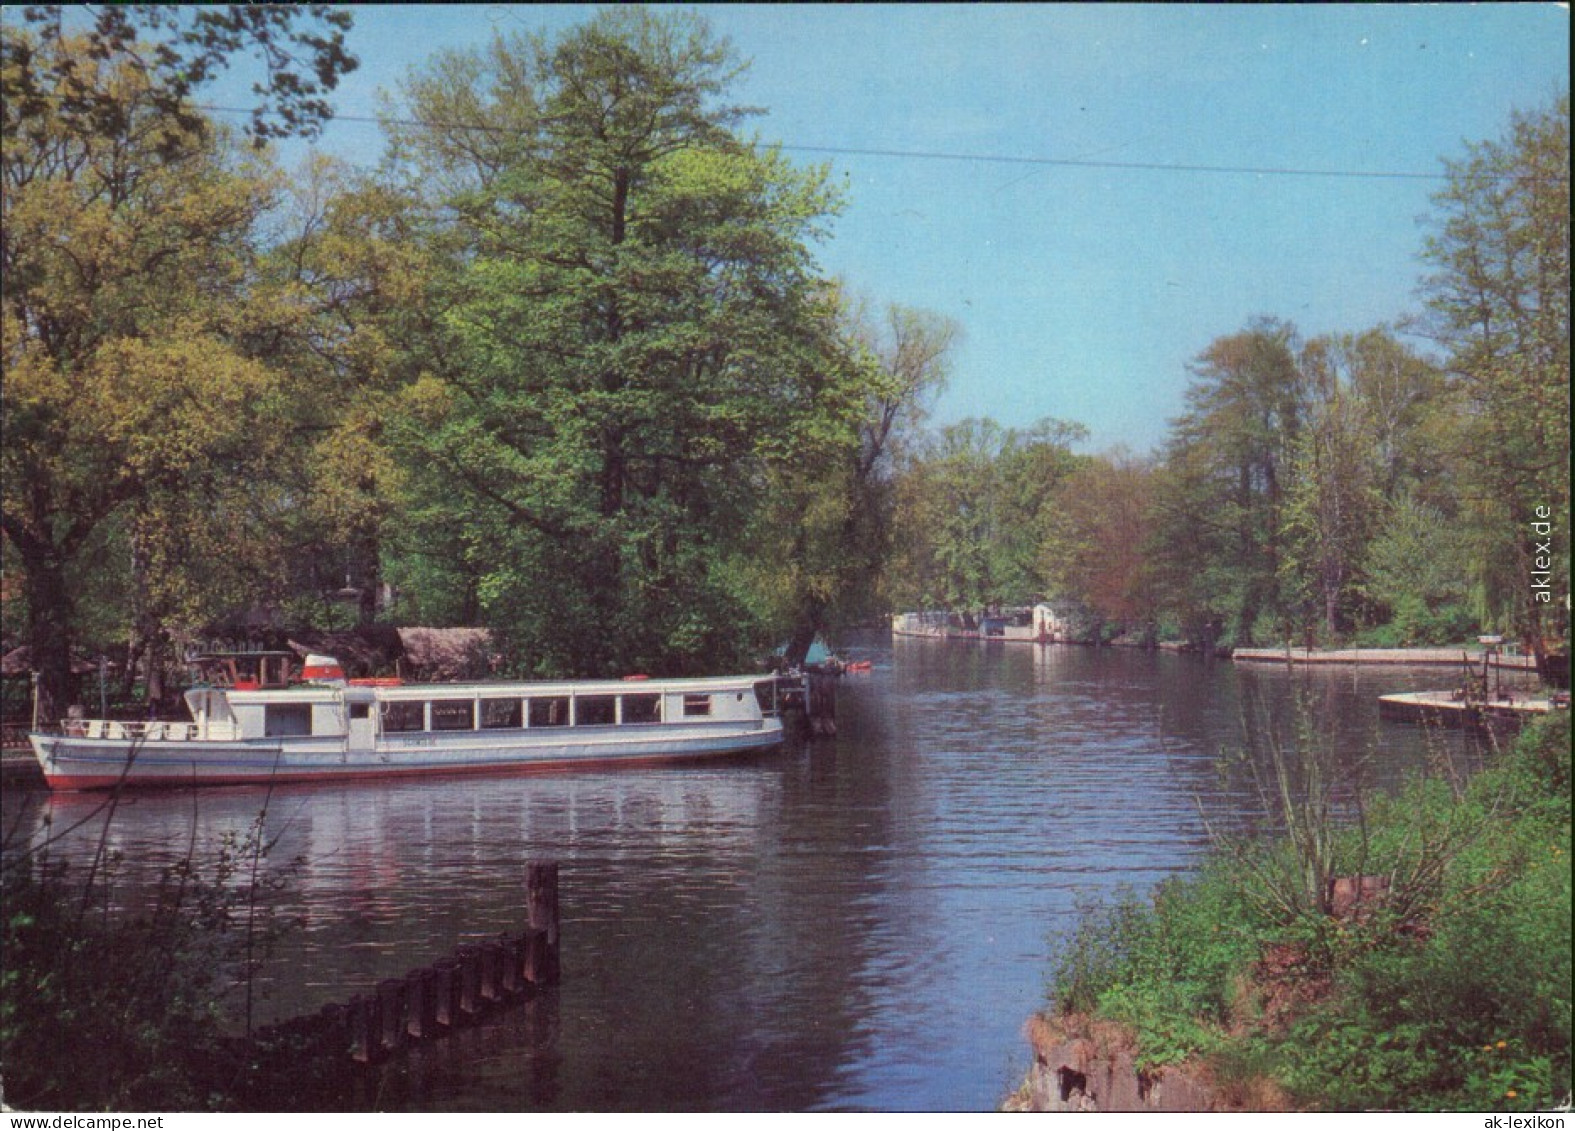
x,y
861,923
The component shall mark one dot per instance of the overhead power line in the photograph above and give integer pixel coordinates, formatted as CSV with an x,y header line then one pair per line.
x,y
1144,166
981,158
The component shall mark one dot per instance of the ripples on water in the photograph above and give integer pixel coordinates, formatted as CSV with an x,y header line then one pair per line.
x,y
863,923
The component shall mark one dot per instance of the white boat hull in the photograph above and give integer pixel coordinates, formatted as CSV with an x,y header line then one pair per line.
x,y
72,763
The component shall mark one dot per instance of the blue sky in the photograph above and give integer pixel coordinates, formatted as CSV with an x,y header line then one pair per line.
x,y
1084,291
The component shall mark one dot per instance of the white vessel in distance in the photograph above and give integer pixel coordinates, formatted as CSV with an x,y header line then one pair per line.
x,y
251,724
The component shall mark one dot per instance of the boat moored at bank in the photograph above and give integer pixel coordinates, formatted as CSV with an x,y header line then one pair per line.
x,y
248,725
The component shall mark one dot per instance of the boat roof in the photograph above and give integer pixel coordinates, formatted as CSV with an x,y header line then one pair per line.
x,y
505,688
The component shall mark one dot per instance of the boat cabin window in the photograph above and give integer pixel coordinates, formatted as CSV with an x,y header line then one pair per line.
x,y
500,714
399,717
281,719
594,710
642,709
360,710
696,706
549,711
453,714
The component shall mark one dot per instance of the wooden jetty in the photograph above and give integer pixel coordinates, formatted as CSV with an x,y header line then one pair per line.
x,y
1450,657
1454,709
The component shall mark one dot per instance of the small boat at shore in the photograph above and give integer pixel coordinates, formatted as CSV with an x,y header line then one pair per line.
x,y
251,725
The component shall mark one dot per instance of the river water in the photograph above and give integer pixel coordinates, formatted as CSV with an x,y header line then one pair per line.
x,y
862,923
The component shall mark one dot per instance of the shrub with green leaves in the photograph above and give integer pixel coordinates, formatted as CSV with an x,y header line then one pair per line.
x,y
1452,993
113,1000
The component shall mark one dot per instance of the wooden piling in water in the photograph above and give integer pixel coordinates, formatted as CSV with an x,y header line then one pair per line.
x,y
421,1005
361,1016
470,1006
541,901
445,993
491,971
399,1014
821,703
391,1013
513,978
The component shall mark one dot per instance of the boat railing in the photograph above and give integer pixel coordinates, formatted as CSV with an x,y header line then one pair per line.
x,y
151,731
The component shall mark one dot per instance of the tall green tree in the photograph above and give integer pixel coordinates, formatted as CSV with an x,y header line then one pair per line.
x,y
827,526
1498,300
975,505
1417,580
1229,460
1097,554
132,399
1376,439
635,330
1331,509
355,260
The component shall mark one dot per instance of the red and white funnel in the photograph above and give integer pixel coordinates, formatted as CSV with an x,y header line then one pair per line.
x,y
322,669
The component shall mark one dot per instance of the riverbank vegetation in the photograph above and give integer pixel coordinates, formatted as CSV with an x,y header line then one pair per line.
x,y
1414,955
565,366
1384,486
120,996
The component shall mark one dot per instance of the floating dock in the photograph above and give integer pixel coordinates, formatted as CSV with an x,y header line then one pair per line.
x,y
1451,709
1454,657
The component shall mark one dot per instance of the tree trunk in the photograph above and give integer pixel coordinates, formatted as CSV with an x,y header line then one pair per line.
x,y
49,632
371,582
802,640
155,671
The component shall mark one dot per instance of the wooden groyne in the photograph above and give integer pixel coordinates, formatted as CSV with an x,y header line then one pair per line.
x,y
428,1003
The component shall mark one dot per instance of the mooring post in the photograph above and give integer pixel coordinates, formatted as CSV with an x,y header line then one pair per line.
x,y
513,948
391,1013
541,899
421,1009
470,1006
821,703
445,993
491,953
362,1016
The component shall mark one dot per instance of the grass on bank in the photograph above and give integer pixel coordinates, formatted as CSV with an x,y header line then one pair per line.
x,y
1451,991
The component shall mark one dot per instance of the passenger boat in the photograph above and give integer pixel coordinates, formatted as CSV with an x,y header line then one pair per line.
x,y
251,724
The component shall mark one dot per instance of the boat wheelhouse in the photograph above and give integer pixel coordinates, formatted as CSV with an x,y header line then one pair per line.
x,y
249,724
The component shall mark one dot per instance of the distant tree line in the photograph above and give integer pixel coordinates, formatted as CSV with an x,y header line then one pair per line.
x,y
565,366
1344,488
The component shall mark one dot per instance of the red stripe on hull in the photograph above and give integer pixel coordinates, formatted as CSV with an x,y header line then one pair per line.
x,y
73,782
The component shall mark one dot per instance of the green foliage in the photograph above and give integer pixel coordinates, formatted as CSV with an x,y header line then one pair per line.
x,y
1417,575
1451,993
636,353
974,507
176,51
1232,452
1499,298
1167,967
140,421
1095,543
121,1000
